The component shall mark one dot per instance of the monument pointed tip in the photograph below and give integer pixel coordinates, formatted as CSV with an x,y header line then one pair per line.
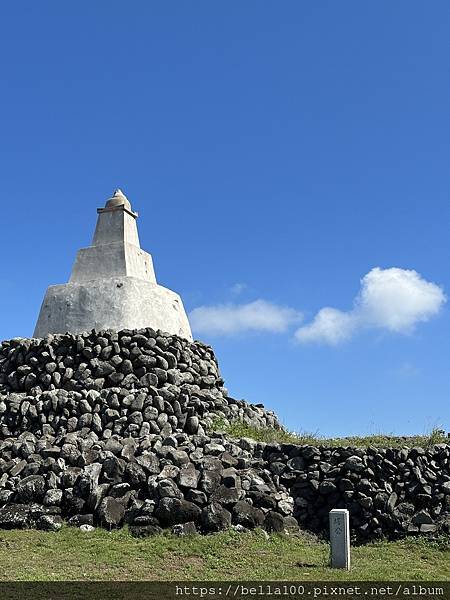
x,y
118,199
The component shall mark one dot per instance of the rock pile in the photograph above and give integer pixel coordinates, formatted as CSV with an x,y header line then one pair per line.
x,y
110,428
148,482
131,383
388,491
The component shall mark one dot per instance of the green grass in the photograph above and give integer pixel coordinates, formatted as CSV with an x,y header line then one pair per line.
x,y
241,430
100,555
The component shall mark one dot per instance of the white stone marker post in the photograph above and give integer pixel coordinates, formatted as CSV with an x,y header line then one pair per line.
x,y
340,538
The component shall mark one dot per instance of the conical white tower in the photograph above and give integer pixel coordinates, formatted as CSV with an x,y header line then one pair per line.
x,y
113,284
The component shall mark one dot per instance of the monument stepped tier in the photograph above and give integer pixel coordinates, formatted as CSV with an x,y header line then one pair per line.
x,y
113,284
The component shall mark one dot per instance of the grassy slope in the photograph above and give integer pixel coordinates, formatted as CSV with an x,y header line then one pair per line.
x,y
70,553
240,430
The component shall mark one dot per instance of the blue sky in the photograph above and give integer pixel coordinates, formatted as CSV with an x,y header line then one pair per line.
x,y
277,153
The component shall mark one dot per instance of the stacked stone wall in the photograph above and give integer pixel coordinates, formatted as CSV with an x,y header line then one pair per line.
x,y
388,491
131,383
112,428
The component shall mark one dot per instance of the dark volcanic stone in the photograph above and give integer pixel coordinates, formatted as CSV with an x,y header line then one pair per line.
x,y
171,511
209,481
422,518
141,531
188,476
262,500
49,523
149,461
196,496
327,487
215,518
224,495
247,515
192,424
111,512
135,474
14,516
31,488
274,522
184,528
78,520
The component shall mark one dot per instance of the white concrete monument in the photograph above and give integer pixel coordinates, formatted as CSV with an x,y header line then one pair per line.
x,y
113,284
340,538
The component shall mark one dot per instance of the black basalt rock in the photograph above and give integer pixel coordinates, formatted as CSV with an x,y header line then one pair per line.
x,y
107,428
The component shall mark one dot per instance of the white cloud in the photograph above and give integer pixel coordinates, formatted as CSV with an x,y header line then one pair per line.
x,y
393,299
230,319
397,299
329,325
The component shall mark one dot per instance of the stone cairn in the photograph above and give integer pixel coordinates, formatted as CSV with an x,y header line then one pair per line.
x,y
111,428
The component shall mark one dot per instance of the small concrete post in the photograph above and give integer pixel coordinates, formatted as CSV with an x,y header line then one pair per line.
x,y
340,538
